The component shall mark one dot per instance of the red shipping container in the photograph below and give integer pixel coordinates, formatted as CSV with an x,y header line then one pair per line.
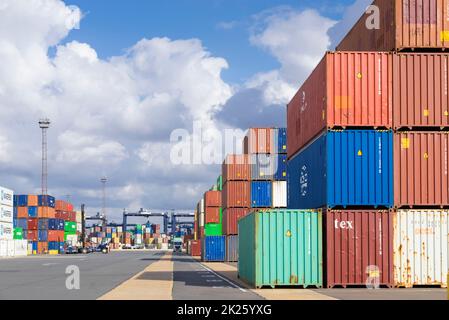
x,y
347,89
70,207
33,224
212,215
22,212
237,194
420,88
236,167
42,248
55,236
259,140
358,247
212,199
32,235
71,216
32,201
404,24
195,248
230,220
421,170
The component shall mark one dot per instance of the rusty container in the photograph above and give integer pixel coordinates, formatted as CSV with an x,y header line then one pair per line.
x,y
347,89
259,141
421,169
195,248
212,215
421,248
404,25
212,199
236,167
237,194
420,90
231,217
358,248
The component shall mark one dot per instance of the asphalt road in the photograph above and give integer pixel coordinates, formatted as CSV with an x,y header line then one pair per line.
x,y
193,281
44,277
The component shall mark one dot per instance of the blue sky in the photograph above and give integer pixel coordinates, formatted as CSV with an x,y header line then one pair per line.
x,y
112,26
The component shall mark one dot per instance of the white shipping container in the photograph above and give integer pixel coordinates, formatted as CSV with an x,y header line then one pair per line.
x,y
201,220
78,217
279,194
3,248
421,247
6,197
79,227
6,231
6,214
20,248
202,210
72,239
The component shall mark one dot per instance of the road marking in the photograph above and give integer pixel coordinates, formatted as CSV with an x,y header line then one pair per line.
x,y
214,280
231,283
49,264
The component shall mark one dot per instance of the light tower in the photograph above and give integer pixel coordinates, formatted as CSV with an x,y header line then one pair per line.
x,y
44,124
103,181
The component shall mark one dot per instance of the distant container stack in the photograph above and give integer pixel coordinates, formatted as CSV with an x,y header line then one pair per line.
x,y
11,238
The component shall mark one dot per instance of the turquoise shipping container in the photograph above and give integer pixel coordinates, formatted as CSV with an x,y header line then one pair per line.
x,y
281,248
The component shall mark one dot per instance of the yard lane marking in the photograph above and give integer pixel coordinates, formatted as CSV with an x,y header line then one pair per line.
x,y
231,283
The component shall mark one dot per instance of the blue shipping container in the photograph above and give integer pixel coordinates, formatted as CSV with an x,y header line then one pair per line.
x,y
261,194
22,223
281,172
15,211
35,245
282,140
345,168
43,224
46,201
15,200
43,235
54,246
56,224
214,248
32,212
22,200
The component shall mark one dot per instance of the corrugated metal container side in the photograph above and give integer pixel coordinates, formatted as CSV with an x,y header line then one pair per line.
x,y
279,194
420,90
231,216
259,140
261,194
236,167
281,171
214,248
232,248
281,248
421,247
195,248
281,140
213,229
264,166
212,199
404,24
347,89
237,194
6,197
348,168
358,247
421,169
212,215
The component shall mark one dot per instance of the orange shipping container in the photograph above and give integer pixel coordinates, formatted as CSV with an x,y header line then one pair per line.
x,y
46,212
420,90
32,201
237,194
22,212
236,167
231,217
259,140
42,248
212,199
212,215
404,24
347,89
421,169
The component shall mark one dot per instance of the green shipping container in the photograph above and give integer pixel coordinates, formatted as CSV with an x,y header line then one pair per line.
x,y
18,234
70,227
281,248
213,229
220,183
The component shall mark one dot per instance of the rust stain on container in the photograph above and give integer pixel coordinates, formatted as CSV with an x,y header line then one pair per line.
x,y
420,90
404,24
421,169
359,244
351,89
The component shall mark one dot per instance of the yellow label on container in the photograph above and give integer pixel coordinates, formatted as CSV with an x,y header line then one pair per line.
x,y
359,75
426,112
284,147
289,234
445,35
324,115
426,156
342,102
284,174
262,174
405,143
446,113
374,273
360,153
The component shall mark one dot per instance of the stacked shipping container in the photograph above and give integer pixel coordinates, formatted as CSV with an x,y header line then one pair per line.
x,y
391,87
